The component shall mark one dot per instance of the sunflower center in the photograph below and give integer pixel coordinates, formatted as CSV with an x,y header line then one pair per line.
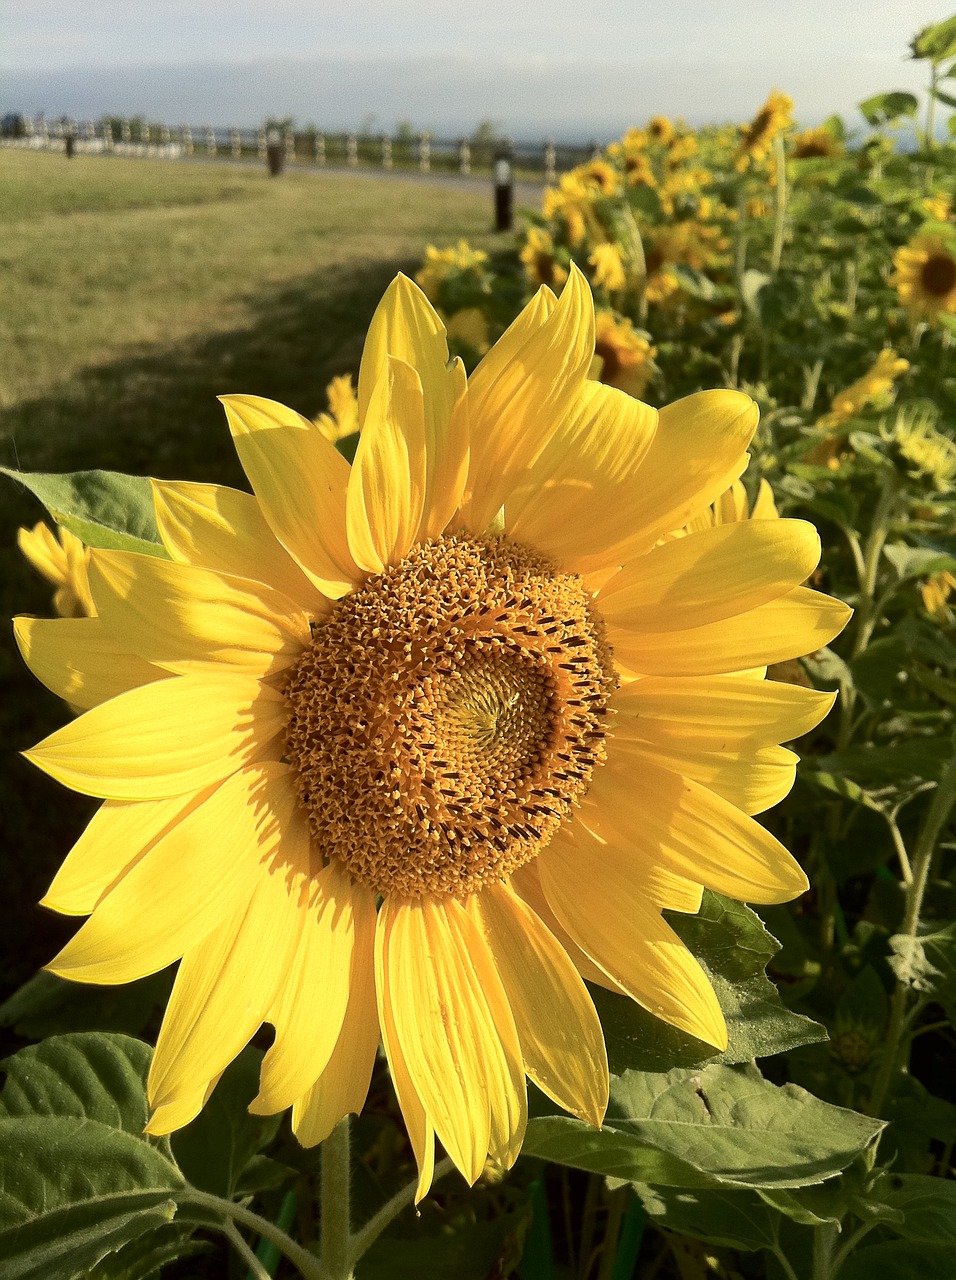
x,y
448,715
938,275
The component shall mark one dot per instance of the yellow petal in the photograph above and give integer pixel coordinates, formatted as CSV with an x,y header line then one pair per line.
x,y
698,450
224,529
198,874
421,1132
226,983
406,325
562,1043
664,888
343,1085
117,836
753,780
190,619
166,738
386,493
795,624
309,1009
716,713
579,499
527,885
711,575
454,1029
680,825
301,481
80,660
600,904
522,390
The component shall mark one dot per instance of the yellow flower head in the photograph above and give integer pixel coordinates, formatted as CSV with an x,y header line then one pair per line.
x,y
63,560
816,142
660,130
608,267
470,327
935,592
599,175
623,357
540,264
757,207
757,137
342,417
404,750
938,207
925,276
874,389
638,171
922,450
440,264
682,148
572,201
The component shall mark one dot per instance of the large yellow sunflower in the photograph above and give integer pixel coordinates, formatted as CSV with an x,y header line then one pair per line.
x,y
403,751
925,276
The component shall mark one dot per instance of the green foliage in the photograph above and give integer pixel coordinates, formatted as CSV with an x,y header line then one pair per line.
x,y
102,508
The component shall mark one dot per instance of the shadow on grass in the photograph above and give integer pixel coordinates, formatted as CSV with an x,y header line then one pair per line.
x,y
155,414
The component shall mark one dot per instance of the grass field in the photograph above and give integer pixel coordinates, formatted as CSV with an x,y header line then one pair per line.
x,y
135,292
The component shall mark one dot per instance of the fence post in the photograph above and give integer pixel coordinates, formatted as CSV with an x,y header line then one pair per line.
x,y
504,191
164,134
550,164
90,130
187,136
319,147
261,144
236,141
424,152
107,135
464,156
125,133
386,152
210,140
44,132
351,150
290,146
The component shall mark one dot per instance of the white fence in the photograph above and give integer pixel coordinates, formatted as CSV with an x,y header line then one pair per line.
x,y
313,147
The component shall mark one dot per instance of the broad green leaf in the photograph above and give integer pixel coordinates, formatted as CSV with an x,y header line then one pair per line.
x,y
916,562
216,1148
103,508
733,947
78,1181
738,1219
918,759
722,1126
842,787
928,1205
145,1257
899,1260
937,42
810,1206
46,1005
928,964
828,670
883,108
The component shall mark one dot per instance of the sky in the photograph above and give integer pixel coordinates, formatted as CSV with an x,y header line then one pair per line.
x,y
554,68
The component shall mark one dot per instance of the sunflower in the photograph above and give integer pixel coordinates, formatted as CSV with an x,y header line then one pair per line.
x,y
608,266
661,131
873,388
405,750
540,262
757,137
342,418
816,142
64,561
469,327
624,358
598,174
925,276
441,264
572,201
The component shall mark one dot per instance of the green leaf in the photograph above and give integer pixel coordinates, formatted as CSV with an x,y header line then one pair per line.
x,y
899,1260
46,1005
916,562
843,787
944,97
810,1206
737,1219
103,508
883,108
145,1257
928,1205
928,964
733,948
78,1181
936,42
465,1250
216,1148
723,1126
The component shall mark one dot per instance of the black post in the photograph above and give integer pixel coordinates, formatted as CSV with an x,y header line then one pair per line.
x,y
504,191
275,152
70,145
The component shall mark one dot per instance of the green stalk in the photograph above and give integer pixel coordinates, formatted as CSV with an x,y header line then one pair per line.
x,y
780,212
931,109
366,1236
308,1265
922,862
336,1192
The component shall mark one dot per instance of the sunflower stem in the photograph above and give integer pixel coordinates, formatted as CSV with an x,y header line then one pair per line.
x,y
366,1236
336,1210
307,1264
780,213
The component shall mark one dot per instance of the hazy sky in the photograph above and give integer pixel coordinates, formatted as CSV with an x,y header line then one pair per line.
x,y
557,67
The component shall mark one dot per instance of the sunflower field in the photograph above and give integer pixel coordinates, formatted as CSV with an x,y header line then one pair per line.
x,y
551,752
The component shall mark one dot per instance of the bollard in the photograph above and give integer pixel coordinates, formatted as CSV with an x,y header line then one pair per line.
x,y
210,140
164,135
464,156
107,136
236,144
125,132
319,148
504,192
424,152
187,136
144,135
386,152
351,150
69,144
289,146
275,152
90,130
